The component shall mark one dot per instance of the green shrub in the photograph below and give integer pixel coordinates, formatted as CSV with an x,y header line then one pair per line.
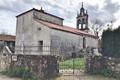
x,y
107,72
23,73
20,72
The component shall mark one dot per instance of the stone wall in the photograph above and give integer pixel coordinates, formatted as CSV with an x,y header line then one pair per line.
x,y
5,60
100,63
112,64
41,66
93,64
47,17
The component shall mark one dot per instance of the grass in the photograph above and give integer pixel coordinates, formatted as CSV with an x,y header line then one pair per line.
x,y
18,72
68,64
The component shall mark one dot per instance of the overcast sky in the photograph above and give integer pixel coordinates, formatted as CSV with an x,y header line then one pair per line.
x,y
102,10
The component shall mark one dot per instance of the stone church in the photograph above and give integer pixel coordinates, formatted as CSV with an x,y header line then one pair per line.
x,y
41,33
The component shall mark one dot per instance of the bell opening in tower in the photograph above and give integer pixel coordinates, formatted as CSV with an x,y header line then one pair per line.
x,y
82,19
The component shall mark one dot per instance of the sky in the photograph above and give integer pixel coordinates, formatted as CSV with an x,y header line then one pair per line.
x,y
104,11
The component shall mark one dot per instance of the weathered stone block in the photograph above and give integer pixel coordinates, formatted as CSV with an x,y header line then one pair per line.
x,y
40,66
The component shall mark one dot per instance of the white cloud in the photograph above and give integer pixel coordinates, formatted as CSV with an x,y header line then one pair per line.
x,y
7,23
67,9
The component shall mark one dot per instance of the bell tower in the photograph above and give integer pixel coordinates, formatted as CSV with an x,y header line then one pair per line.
x,y
82,19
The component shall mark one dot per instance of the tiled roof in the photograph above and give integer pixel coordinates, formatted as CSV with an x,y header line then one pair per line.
x,y
4,37
66,29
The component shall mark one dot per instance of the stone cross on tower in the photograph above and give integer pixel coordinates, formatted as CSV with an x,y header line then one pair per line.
x,y
82,19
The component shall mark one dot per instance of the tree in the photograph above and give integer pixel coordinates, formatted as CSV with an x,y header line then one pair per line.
x,y
97,27
111,42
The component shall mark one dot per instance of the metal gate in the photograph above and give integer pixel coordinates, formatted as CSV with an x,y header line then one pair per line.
x,y
72,65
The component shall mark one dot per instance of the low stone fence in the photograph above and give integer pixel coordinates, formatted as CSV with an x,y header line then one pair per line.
x,y
99,63
5,61
93,64
112,64
39,65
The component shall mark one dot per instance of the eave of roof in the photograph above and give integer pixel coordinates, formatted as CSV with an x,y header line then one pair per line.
x,y
39,11
4,37
66,29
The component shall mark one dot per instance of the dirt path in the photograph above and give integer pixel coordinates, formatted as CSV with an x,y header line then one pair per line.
x,y
79,75
85,77
3,77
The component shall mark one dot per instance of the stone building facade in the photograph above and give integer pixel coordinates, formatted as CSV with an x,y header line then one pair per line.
x,y
41,33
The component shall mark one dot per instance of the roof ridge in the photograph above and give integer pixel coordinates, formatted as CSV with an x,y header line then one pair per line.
x,y
39,11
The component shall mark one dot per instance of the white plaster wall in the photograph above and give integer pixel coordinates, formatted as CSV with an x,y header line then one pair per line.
x,y
24,29
42,35
65,41
27,32
66,36
61,38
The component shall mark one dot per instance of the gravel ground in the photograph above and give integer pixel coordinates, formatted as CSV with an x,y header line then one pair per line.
x,y
83,77
79,75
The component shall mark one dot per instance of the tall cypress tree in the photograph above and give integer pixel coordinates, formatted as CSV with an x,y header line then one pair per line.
x,y
111,43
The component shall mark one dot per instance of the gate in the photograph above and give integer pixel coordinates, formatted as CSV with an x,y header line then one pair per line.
x,y
74,65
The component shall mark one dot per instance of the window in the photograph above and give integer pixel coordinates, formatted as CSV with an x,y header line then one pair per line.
x,y
84,42
39,28
40,45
